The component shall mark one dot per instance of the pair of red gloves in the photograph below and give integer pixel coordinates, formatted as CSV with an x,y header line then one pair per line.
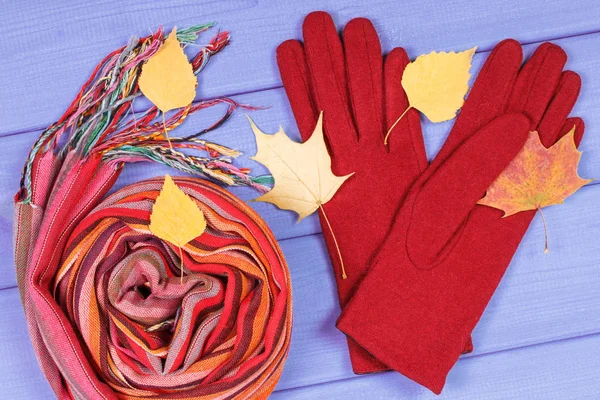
x,y
422,258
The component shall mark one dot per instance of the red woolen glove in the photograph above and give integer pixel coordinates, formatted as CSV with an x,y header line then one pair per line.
x,y
360,98
441,262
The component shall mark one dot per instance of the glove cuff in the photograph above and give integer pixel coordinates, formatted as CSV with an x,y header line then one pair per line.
x,y
398,333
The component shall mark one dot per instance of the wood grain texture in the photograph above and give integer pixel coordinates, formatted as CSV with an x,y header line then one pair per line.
x,y
22,377
49,48
540,335
237,133
543,298
553,371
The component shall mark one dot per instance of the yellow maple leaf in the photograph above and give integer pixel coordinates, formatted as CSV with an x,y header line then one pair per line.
x,y
175,217
167,78
301,171
537,177
436,84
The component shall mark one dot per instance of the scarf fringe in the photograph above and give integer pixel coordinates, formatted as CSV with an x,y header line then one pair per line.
x,y
101,119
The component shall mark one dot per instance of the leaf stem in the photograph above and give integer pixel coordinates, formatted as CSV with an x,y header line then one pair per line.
x,y
546,250
337,247
165,129
387,135
180,265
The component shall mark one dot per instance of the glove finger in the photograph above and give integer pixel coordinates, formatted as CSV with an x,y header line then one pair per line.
x,y
296,81
568,125
445,200
488,96
537,82
561,105
325,58
407,137
364,66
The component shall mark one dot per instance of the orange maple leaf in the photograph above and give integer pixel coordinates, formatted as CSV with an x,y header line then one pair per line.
x,y
537,177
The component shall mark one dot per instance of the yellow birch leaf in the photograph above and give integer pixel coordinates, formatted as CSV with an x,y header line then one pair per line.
x,y
167,78
175,217
537,177
436,83
302,171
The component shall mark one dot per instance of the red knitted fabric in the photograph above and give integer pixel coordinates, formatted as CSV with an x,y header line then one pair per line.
x,y
361,97
444,256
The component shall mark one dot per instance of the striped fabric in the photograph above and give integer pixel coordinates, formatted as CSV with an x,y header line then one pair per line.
x,y
108,315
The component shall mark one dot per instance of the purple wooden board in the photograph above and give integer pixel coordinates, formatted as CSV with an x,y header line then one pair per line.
x,y
543,298
49,48
236,133
553,371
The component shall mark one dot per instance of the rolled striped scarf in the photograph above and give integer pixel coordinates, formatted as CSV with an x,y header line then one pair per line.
x,y
108,313
109,316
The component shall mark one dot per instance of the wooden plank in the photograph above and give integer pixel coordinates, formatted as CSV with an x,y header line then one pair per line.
x,y
21,374
542,298
50,48
237,134
558,370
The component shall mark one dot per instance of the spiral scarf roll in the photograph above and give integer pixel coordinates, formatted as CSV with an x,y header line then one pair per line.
x,y
111,317
114,312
